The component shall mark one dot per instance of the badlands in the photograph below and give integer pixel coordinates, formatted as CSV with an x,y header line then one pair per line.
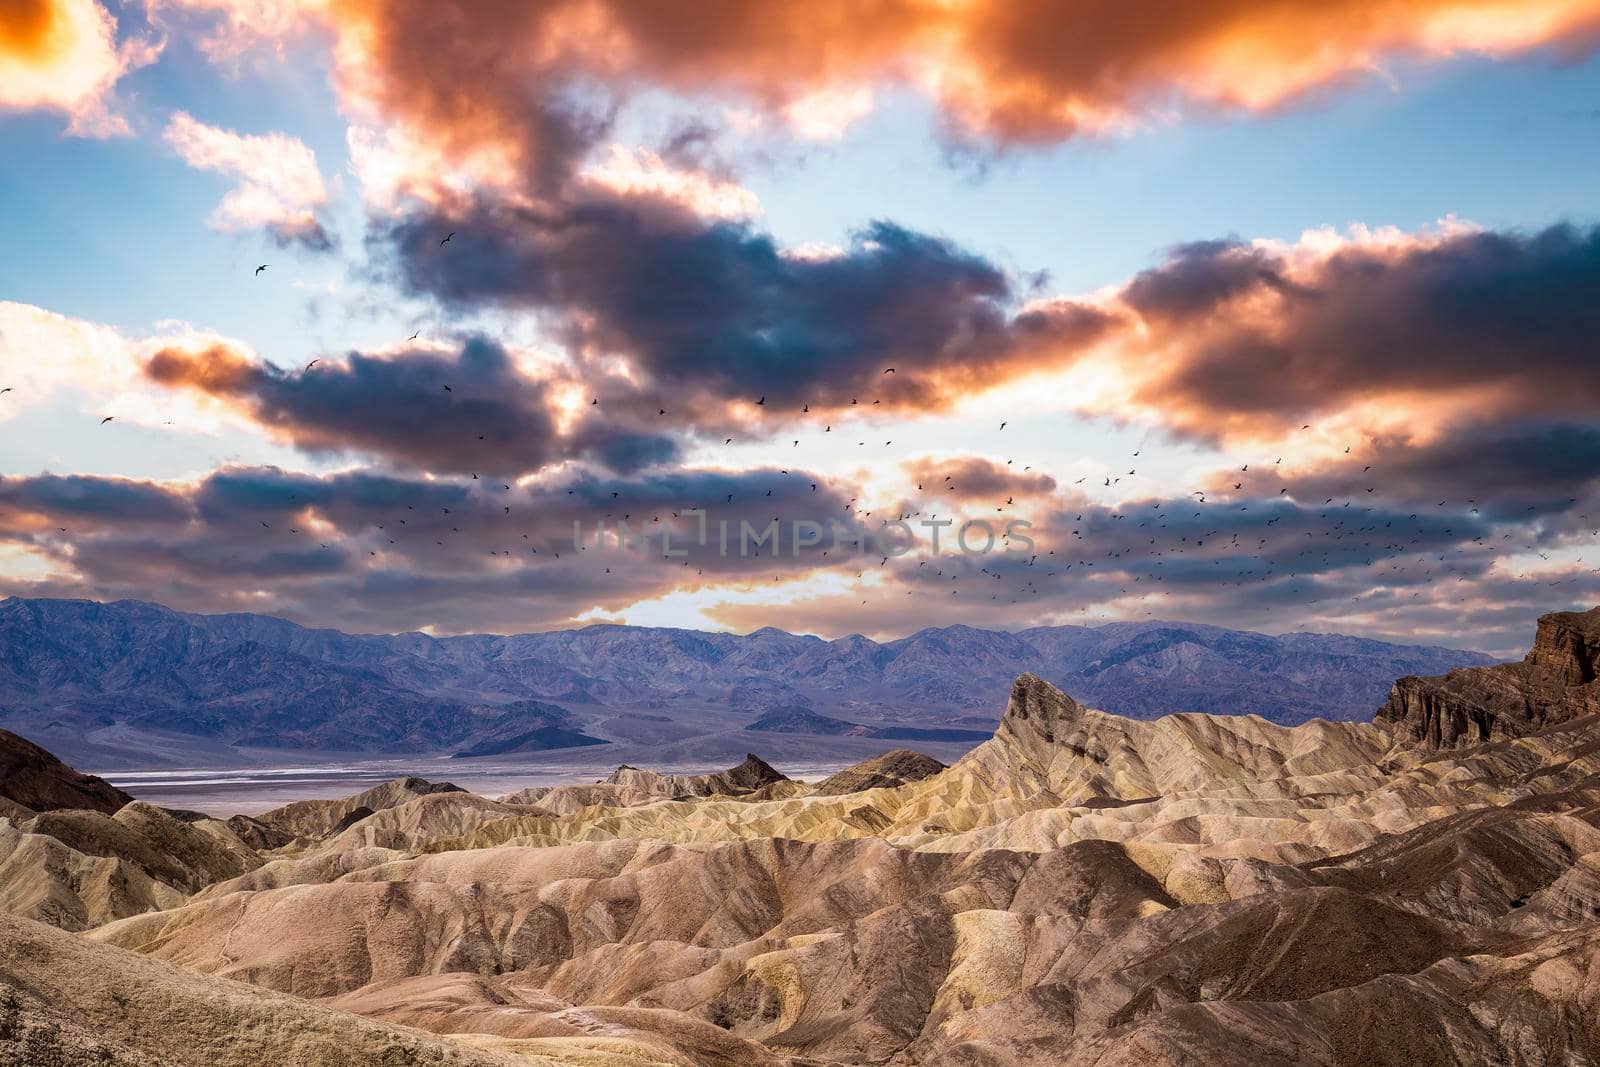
x,y
1080,889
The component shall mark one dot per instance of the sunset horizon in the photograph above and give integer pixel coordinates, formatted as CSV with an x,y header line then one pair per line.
x,y
756,533
1250,333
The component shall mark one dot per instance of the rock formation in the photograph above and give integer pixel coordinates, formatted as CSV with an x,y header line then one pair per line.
x,y
80,868
1558,680
751,774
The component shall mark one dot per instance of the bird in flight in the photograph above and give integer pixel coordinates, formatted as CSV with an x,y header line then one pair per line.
x,y
414,336
447,237
261,268
889,371
313,363
107,419
7,389
761,403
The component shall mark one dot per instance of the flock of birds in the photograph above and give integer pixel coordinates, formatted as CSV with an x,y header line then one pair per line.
x,y
1128,552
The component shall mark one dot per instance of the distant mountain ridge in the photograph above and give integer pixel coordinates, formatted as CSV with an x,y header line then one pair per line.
x,y
253,680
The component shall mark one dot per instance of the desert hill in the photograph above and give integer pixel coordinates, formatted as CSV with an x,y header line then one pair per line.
x,y
67,1002
32,779
1082,888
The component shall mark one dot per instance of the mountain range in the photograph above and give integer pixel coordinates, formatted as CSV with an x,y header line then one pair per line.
x,y
118,681
1080,890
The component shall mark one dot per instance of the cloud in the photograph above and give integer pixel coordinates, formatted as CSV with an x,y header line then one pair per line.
x,y
1254,563
63,56
365,549
1375,339
1519,470
641,172
43,503
1038,70
79,352
280,189
471,410
237,26
709,314
1378,334
949,479
1028,71
650,263
102,368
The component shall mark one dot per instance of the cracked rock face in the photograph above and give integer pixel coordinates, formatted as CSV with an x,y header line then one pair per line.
x,y
1556,682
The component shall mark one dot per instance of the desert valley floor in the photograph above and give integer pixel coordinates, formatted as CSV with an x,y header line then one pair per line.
x,y
1082,888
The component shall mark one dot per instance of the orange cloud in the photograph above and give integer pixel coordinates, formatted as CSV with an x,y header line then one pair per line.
x,y
1043,69
1007,70
217,370
63,55
973,478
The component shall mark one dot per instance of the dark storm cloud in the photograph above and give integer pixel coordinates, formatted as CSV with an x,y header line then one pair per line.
x,y
1250,564
84,500
366,550
713,312
359,547
1262,336
464,411
1518,470
1221,338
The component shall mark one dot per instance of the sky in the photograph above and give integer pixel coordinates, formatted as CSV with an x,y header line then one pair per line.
x,y
1252,314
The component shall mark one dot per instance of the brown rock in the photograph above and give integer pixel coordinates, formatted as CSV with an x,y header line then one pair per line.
x,y
750,775
35,779
1555,683
887,771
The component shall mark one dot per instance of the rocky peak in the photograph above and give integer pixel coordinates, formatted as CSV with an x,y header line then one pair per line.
x,y
1556,681
1038,718
1037,710
1566,648
753,773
